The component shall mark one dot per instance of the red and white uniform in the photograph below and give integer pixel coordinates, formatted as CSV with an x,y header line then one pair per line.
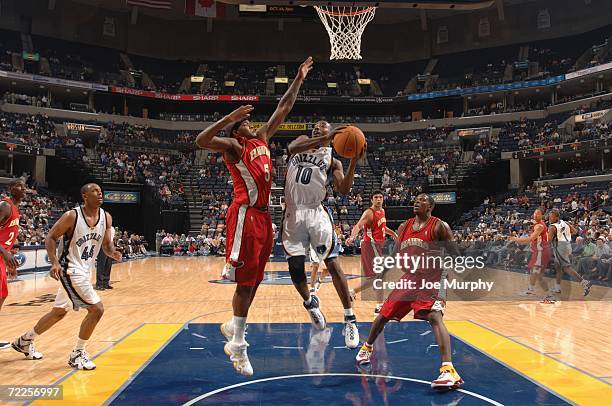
x,y
8,235
373,241
540,252
249,225
401,301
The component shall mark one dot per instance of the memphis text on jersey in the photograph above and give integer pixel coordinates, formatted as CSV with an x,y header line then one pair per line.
x,y
88,237
311,159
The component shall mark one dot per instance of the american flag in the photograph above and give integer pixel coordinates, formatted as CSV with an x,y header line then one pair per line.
x,y
158,4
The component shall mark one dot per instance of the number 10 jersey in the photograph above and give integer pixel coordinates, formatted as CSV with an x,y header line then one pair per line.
x,y
308,175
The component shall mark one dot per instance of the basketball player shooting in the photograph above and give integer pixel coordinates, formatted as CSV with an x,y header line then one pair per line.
x,y
9,230
84,231
374,225
560,237
307,224
413,234
249,225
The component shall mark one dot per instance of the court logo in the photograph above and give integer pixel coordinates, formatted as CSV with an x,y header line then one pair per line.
x,y
276,278
20,258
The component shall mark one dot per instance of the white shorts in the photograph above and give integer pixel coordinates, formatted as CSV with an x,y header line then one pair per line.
x,y
305,228
76,291
562,253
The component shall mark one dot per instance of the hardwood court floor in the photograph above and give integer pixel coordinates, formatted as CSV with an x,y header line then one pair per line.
x,y
177,290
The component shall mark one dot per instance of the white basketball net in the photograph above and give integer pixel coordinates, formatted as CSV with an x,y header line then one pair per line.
x,y
345,25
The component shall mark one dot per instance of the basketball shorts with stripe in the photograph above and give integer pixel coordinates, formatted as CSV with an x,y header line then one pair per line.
x,y
76,291
538,262
369,251
562,253
309,229
248,244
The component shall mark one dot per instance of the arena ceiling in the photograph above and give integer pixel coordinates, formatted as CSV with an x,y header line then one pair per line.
x,y
384,15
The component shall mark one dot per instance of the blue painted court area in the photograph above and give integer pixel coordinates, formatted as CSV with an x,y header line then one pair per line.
x,y
295,364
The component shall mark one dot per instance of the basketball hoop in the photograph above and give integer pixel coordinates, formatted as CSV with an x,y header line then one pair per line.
x,y
345,25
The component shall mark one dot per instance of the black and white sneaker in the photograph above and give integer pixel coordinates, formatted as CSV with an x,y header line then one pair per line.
x,y
586,286
79,359
4,345
26,347
377,309
316,316
350,332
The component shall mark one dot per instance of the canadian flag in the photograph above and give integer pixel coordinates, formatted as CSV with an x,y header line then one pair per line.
x,y
204,8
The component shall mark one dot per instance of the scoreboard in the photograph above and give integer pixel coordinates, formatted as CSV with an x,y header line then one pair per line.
x,y
82,129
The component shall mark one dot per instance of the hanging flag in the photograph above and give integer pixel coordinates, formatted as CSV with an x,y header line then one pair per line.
x,y
204,8
158,4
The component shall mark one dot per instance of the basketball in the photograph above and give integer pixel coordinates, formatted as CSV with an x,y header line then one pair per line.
x,y
349,142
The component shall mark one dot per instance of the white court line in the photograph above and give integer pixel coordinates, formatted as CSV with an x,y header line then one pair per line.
x,y
287,348
425,333
397,341
196,348
277,378
197,335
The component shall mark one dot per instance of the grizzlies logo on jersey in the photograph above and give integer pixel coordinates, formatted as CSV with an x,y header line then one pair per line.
x,y
308,175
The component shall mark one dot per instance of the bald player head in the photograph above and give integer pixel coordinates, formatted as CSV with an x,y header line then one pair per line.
x,y
92,195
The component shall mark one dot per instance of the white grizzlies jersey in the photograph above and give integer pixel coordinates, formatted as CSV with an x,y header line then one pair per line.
x,y
81,250
308,175
563,231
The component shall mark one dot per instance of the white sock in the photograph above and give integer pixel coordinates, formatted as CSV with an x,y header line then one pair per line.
x,y
30,335
307,302
239,324
348,312
450,364
531,287
230,324
80,344
557,286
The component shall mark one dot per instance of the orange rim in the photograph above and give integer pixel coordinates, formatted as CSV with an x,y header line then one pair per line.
x,y
344,14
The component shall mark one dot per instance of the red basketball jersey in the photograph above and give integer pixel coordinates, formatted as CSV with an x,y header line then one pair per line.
x,y
425,233
252,174
418,243
375,232
542,241
10,229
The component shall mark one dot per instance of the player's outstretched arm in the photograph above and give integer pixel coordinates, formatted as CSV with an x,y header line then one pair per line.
x,y
539,228
366,218
107,243
305,143
392,233
286,103
61,227
208,139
